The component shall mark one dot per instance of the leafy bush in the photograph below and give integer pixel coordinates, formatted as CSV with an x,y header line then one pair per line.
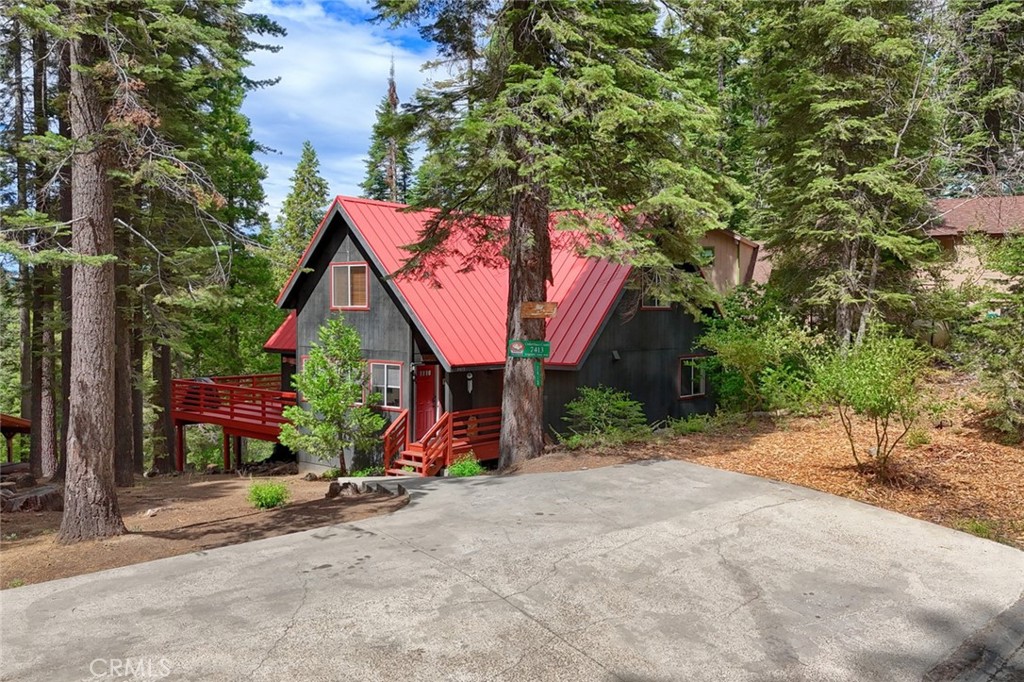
x,y
368,471
995,341
760,355
464,466
878,381
603,415
695,423
267,495
331,383
918,436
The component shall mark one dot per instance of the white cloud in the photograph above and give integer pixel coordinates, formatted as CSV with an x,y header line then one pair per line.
x,y
333,67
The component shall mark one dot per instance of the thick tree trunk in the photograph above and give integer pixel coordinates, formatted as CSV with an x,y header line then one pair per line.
x,y
124,437
90,500
65,213
163,428
847,288
522,401
44,428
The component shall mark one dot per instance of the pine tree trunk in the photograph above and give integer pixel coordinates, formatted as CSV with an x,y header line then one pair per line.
x,y
844,306
163,428
522,402
138,424
45,424
65,213
21,203
90,500
124,438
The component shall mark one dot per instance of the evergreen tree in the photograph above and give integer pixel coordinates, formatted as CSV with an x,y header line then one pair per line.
x,y
848,145
986,69
566,105
389,172
301,213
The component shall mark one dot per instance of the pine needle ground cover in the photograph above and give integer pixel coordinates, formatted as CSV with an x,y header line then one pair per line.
x,y
964,477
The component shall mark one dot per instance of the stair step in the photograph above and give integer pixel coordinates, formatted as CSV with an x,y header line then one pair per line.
x,y
411,456
402,462
400,472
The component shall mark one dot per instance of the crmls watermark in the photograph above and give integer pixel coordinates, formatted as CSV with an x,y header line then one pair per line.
x,y
129,668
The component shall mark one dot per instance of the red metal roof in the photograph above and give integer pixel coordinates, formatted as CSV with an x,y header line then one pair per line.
x,y
462,308
990,215
284,339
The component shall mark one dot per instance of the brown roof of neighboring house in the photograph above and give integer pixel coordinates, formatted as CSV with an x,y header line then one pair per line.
x,y
991,215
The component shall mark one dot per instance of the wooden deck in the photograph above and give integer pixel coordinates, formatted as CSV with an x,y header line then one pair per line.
x,y
248,406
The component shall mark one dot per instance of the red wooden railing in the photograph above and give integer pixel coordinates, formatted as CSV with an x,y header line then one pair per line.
x,y
475,430
437,446
271,382
396,438
238,407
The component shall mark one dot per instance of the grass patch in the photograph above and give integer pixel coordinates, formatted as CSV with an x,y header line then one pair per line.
x,y
368,471
268,495
464,466
982,528
917,437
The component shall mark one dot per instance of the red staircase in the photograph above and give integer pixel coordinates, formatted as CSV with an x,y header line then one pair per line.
x,y
454,435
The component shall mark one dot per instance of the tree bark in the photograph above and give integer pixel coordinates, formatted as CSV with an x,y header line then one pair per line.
x,y
163,428
529,271
21,203
124,437
65,214
90,500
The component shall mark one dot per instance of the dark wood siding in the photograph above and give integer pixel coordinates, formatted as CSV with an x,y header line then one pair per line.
x,y
385,330
649,345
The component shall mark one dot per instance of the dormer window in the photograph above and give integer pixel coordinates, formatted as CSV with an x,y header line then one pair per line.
x,y
349,286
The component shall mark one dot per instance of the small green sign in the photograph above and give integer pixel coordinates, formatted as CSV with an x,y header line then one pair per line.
x,y
525,348
538,373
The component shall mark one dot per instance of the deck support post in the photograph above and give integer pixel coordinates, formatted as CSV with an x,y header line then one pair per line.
x,y
179,447
226,449
238,453
10,448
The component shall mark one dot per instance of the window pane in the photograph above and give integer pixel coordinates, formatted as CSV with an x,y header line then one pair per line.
x,y
358,288
394,375
393,397
340,298
686,378
376,378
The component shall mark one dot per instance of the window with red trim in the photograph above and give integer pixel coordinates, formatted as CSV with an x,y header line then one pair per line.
x,y
386,379
692,381
350,286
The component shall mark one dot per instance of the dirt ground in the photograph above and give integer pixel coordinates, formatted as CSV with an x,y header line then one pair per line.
x,y
964,478
168,516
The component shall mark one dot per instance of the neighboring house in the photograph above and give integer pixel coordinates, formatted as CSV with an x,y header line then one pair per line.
x,y
956,219
436,346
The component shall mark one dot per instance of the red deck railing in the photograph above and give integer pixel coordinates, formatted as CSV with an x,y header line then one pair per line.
x,y
242,409
270,382
396,438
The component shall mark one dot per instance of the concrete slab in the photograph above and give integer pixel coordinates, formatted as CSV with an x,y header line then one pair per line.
x,y
644,572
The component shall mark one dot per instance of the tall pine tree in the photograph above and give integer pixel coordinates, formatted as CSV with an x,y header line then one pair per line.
x,y
564,105
389,171
848,148
300,215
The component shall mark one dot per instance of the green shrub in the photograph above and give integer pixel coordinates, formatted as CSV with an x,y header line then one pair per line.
x,y
368,471
332,474
603,411
694,423
267,495
876,380
760,356
917,437
467,465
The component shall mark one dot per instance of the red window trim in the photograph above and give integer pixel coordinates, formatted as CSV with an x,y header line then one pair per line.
x,y
679,377
353,262
401,382
302,362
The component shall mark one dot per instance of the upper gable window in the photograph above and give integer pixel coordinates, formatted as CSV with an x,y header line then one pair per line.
x,y
349,286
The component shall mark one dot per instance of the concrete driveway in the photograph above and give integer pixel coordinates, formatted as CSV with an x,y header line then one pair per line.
x,y
643,572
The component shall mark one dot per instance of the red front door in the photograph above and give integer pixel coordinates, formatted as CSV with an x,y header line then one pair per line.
x,y
426,399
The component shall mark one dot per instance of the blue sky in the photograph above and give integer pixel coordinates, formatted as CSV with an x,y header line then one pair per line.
x,y
333,67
